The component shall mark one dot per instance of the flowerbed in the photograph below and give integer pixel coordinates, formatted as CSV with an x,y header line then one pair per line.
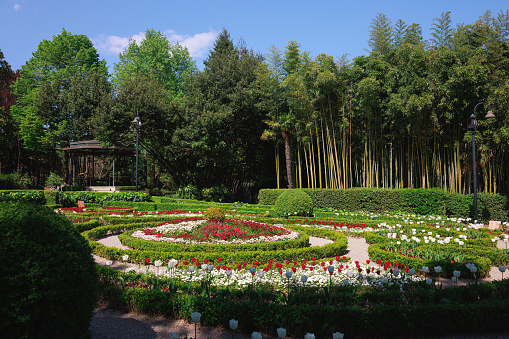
x,y
231,231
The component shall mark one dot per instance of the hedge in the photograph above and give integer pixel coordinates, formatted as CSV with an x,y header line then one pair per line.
x,y
444,316
419,201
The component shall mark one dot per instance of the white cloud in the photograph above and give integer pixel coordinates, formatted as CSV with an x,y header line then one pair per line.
x,y
115,44
197,44
17,7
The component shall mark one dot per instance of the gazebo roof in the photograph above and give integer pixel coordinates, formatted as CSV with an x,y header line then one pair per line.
x,y
94,147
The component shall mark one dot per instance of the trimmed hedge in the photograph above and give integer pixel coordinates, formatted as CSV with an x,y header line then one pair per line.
x,y
419,201
374,320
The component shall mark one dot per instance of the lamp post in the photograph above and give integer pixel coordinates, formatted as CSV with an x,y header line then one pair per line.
x,y
473,127
137,125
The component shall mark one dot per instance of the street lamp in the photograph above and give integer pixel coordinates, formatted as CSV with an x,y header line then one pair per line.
x,y
137,125
473,127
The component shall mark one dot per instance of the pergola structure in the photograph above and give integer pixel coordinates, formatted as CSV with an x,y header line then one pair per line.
x,y
82,161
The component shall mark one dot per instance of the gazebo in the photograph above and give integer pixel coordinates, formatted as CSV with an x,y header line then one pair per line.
x,y
82,164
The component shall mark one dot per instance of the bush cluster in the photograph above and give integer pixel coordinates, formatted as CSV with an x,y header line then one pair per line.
x,y
48,283
293,203
214,213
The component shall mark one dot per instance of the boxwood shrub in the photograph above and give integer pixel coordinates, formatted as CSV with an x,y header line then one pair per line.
x,y
48,283
293,203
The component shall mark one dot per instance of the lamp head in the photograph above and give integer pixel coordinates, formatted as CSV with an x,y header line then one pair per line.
x,y
136,123
490,115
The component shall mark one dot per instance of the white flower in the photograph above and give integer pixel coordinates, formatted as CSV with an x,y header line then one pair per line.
x,y
429,281
330,268
502,269
191,269
172,263
195,317
309,336
158,263
256,335
252,270
304,278
395,272
125,257
261,274
384,280
411,272
204,266
438,269
338,335
228,272
288,275
454,279
281,332
234,324
456,274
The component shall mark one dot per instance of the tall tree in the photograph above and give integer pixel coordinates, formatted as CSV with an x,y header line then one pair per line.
x,y
381,35
156,57
223,121
47,109
441,31
8,128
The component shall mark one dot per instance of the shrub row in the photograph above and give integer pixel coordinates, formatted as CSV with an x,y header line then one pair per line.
x,y
377,320
36,196
418,201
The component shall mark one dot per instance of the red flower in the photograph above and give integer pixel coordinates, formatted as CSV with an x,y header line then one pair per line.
x,y
147,260
206,261
256,263
294,269
330,262
359,269
218,267
311,268
218,259
322,263
396,264
266,269
337,257
239,266
287,262
244,264
379,261
339,269
197,263
387,263
193,259
185,262
224,267
281,272
367,261
344,257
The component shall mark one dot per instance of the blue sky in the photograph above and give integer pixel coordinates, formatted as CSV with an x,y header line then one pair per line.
x,y
332,27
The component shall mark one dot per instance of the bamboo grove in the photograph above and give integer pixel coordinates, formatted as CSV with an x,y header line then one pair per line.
x,y
397,117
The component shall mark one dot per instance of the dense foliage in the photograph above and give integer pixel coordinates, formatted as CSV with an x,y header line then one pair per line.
x,y
48,281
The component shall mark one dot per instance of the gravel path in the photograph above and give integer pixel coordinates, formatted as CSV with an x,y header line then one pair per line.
x,y
110,324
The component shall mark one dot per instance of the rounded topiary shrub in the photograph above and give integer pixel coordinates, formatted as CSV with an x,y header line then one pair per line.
x,y
214,213
48,280
293,202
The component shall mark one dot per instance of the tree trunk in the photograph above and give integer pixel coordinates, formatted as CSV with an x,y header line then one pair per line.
x,y
287,135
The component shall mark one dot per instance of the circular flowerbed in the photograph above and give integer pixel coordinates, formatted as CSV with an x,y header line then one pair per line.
x,y
197,230
192,234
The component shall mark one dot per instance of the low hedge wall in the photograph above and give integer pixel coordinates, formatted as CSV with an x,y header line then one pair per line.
x,y
373,320
419,201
